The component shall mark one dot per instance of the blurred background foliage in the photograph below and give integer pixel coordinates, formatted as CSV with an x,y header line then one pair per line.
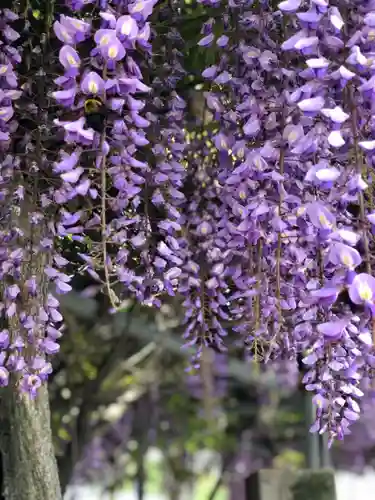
x,y
122,394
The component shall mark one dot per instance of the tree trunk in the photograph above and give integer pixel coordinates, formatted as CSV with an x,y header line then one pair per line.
x,y
140,476
29,465
2,485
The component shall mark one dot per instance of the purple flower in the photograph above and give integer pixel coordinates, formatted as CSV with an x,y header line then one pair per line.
x,y
290,5
92,83
210,72
13,291
252,127
4,339
127,27
30,384
6,113
113,50
70,59
312,104
335,139
73,176
142,8
144,35
337,115
332,330
65,97
320,216
222,41
104,36
78,28
4,376
49,346
362,290
207,40
63,33
344,255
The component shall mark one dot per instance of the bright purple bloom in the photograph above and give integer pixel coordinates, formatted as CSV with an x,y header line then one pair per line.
x,y
92,83
362,290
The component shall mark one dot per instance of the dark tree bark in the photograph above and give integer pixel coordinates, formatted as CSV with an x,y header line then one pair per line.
x,y
29,465
140,476
2,485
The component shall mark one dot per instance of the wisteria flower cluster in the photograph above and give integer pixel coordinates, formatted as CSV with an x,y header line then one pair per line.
x,y
295,172
258,214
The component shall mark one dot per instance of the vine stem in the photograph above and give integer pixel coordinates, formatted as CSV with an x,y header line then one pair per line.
x,y
361,169
103,218
257,304
104,225
279,236
279,240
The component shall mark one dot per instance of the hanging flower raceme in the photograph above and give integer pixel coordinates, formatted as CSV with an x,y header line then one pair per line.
x,y
30,324
203,282
332,102
257,175
9,91
289,185
162,196
108,134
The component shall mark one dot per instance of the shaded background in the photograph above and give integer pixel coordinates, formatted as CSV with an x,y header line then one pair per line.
x,y
130,416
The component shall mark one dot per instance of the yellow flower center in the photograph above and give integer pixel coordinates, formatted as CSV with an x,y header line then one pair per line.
x,y
346,259
66,35
78,25
93,88
112,52
104,40
72,61
324,221
292,136
365,292
138,7
126,28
